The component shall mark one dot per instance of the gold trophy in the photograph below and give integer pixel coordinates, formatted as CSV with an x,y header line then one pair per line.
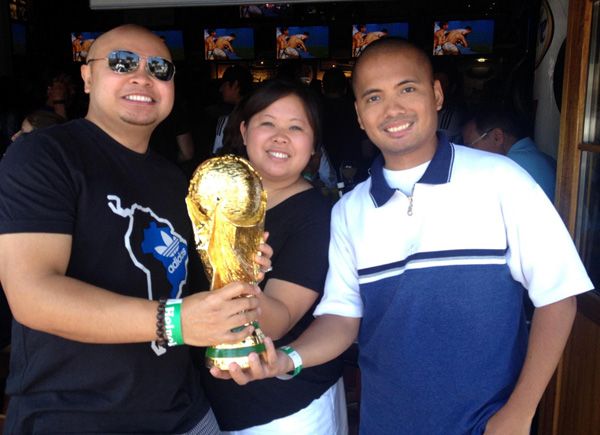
x,y
226,203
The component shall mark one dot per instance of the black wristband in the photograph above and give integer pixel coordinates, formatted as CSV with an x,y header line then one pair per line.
x,y
161,333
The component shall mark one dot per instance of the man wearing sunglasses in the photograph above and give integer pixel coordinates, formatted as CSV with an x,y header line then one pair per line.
x,y
96,264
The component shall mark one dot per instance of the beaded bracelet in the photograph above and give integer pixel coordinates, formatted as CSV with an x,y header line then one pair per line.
x,y
161,337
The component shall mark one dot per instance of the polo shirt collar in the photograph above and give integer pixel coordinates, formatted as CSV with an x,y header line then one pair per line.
x,y
438,171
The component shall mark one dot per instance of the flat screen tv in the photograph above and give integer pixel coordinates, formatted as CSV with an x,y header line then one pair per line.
x,y
81,43
463,37
19,38
267,10
302,42
174,40
229,43
364,34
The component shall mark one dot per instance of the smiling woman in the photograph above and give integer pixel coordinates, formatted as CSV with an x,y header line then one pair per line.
x,y
279,125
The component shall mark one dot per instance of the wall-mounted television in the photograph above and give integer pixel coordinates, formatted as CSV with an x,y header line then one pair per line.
x,y
463,37
81,43
174,40
364,34
302,42
267,10
229,43
19,38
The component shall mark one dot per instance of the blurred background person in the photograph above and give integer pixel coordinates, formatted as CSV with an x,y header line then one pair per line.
x,y
236,82
500,131
36,120
346,143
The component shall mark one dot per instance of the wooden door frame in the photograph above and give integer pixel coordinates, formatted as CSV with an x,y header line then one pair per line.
x,y
568,176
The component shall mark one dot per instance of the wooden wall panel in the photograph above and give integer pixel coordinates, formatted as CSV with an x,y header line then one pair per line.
x,y
579,402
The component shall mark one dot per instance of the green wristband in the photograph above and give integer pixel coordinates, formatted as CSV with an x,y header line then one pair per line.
x,y
173,322
296,359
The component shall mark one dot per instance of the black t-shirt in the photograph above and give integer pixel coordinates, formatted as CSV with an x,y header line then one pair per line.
x,y
126,214
299,235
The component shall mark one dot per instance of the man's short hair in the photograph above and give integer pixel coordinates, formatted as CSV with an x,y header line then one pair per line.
x,y
486,119
240,74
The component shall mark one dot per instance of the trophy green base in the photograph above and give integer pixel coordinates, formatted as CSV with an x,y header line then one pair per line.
x,y
222,355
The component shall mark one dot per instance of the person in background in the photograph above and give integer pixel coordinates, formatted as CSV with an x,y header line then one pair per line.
x,y
97,266
279,125
451,115
236,82
346,144
173,139
36,120
60,95
428,261
499,131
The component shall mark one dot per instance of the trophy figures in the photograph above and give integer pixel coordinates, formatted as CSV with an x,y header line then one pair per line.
x,y
226,203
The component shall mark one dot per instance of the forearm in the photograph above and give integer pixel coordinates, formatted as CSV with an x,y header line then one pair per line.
x,y
42,297
274,318
72,309
326,338
550,329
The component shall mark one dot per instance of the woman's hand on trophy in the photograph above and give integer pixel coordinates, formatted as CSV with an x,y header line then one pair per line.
x,y
211,317
263,258
272,363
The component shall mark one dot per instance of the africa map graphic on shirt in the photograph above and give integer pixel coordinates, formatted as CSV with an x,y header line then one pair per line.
x,y
155,248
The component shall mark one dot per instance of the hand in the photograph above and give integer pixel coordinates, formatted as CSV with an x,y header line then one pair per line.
x,y
263,258
507,422
207,318
272,363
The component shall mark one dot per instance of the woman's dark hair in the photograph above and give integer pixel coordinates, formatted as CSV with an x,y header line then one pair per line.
x,y
263,97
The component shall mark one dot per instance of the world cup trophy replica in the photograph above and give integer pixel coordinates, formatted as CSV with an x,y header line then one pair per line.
x,y
227,204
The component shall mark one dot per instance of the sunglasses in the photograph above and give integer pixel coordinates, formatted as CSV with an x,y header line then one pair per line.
x,y
481,137
125,62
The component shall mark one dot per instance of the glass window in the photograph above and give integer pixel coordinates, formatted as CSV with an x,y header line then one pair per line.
x,y
588,213
588,219
591,125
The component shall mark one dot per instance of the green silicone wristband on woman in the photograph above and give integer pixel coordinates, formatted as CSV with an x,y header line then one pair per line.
x,y
296,359
173,322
